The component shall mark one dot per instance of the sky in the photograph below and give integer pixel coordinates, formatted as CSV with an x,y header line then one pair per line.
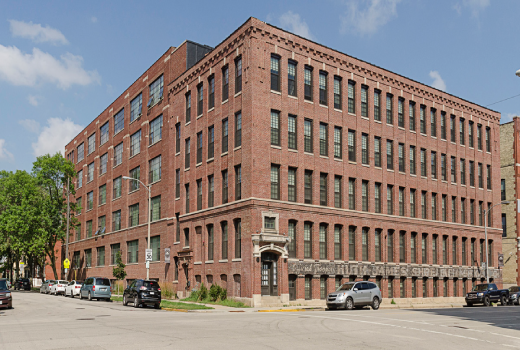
x,y
63,62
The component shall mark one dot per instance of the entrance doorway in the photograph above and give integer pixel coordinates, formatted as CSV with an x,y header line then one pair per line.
x,y
269,274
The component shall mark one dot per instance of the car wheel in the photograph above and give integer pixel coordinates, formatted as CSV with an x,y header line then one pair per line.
x,y
89,297
469,304
125,302
72,294
136,302
349,303
503,300
375,303
487,302
157,306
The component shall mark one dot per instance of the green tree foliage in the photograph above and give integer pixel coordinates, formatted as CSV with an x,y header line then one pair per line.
x,y
118,271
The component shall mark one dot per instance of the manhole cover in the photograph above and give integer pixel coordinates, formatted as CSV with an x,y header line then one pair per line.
x,y
85,319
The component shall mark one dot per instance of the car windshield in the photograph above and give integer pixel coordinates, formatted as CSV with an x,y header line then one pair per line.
x,y
63,282
102,282
151,285
346,286
514,289
3,285
480,288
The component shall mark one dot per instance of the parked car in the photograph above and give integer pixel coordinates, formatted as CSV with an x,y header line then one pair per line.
x,y
46,286
354,294
514,295
22,283
58,287
96,288
6,299
486,293
73,288
143,292
7,281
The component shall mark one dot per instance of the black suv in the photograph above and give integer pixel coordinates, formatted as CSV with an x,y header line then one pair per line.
x,y
22,283
143,292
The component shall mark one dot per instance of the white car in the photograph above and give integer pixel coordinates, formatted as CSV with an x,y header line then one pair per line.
x,y
73,288
58,287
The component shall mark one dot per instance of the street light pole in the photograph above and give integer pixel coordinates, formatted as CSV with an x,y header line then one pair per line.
x,y
149,188
485,235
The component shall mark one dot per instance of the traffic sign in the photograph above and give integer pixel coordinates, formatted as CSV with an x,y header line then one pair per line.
x,y
148,255
66,263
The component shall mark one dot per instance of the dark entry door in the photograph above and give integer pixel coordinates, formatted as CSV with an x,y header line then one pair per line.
x,y
269,274
292,287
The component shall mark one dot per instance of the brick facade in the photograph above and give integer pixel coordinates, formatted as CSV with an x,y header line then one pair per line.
x,y
257,144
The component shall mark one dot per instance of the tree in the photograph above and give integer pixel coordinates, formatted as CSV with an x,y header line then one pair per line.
x,y
119,270
52,174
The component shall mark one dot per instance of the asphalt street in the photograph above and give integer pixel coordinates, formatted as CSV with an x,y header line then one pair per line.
x,y
49,322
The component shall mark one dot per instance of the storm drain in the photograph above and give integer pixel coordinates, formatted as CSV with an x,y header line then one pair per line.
x,y
85,319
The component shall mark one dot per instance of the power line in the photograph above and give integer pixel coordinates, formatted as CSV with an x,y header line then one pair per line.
x,y
494,103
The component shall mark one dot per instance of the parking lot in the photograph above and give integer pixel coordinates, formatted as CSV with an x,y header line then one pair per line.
x,y
55,322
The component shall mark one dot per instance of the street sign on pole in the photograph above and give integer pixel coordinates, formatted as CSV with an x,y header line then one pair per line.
x,y
148,255
66,264
500,260
167,255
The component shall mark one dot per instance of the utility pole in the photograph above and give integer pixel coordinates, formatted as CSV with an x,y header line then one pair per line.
x,y
68,222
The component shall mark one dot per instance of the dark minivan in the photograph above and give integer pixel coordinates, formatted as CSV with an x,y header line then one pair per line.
x,y
96,288
143,292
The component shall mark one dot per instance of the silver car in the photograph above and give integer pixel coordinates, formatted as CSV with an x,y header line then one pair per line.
x,y
355,294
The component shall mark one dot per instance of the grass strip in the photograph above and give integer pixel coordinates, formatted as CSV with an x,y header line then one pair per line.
x,y
173,304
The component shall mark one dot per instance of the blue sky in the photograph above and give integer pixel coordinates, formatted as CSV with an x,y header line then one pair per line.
x,y
63,62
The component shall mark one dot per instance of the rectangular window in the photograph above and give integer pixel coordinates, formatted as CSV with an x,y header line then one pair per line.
x,y
390,246
156,92
114,249
187,152
444,207
323,241
136,107
211,92
307,80
402,247
424,210
92,143
400,112
275,128
118,154
444,176
390,199
135,173
90,200
338,143
433,122
461,131
103,131
422,119
133,215
443,125
324,139
79,205
291,128
225,83
364,244
224,187
81,152
291,183
337,191
351,97
135,143
412,160
102,195
471,173
502,189
211,142
423,162
413,248
411,115
364,148
275,73
352,194
101,225
377,244
116,220
389,109
337,242
211,191
412,203
238,239
238,129
292,87
156,130
337,93
188,107
434,250
453,169
211,242
88,257
103,160
453,209
291,246
224,240
401,201
480,177
401,156
434,164
238,75
488,176
488,139
178,138
275,181
238,182
479,137
187,199
463,210
90,172
200,99
225,135
177,183
119,121
351,145
377,197
472,212
100,256
377,105
364,195
199,147
452,129
307,136
155,170
504,225
323,84
352,243
323,189
445,250
307,240
462,172
155,212
199,194
364,101
377,151
308,186
470,134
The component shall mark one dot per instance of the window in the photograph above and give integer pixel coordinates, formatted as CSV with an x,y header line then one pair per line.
x,y
225,135
377,244
238,75
324,139
156,92
377,196
81,152
434,250
132,252
275,73
423,162
238,129
114,249
323,241
377,105
411,115
337,191
434,164
238,239
135,173
412,203
116,220
401,201
445,250
119,121
479,137
471,173
443,168
118,154
308,289
480,214
433,122
352,243
307,136
88,257
338,142
307,81
390,199
337,242
453,169
103,160
308,186
155,170
291,126
307,240
135,143
177,183
292,235
224,187
225,83
351,97
136,107
92,143
390,287
470,134
79,205
155,245
187,199
504,225
292,86
323,189
400,112
413,248
352,194
275,181
238,182
462,172
133,216
502,189
443,125
103,131
401,287
211,92
90,200
101,225
454,251
156,130
412,160
178,138
390,155
364,148
444,208
187,151
472,212
453,209
352,145
452,129
102,195
188,106
224,240
199,147
337,93
200,99
211,142
423,205
390,246
364,244
402,247
480,178
461,131
488,139
423,248
100,256
364,195
389,109
291,182
155,213
422,119
275,128
488,177
211,191
463,210
377,151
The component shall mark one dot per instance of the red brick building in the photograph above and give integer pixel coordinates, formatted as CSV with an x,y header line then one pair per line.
x,y
281,168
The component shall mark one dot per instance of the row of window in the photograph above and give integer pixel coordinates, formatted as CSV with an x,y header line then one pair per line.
x,y
323,85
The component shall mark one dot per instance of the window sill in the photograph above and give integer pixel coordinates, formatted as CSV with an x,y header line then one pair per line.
x,y
433,179
114,199
292,150
175,243
197,263
133,191
238,93
208,262
224,154
410,174
127,264
338,159
185,247
237,148
225,101
352,162
236,260
211,109
198,164
276,92
463,185
338,110
434,137
324,106
390,170
413,131
223,261
134,155
276,147
324,157
453,143
293,97
91,153
423,134
90,181
392,125
187,123
309,154
153,183
378,121
424,177
454,183
186,169
378,167
100,205
156,142
136,119
400,128
365,118
308,102
366,165
115,166
480,150
199,116
210,160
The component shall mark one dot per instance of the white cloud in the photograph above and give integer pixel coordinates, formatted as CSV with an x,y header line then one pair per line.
x,y
438,82
36,32
28,69
93,19
33,100
508,117
367,20
55,136
475,6
5,154
293,23
30,125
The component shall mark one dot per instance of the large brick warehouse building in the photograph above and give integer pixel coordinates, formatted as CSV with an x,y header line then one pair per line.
x,y
280,168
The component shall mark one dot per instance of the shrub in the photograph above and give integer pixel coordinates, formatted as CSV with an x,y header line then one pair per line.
x,y
214,292
223,294
167,291
203,292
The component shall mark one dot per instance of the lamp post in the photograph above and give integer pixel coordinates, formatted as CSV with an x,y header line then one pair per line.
x,y
485,235
149,217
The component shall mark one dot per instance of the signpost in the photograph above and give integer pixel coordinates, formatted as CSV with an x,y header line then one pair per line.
x,y
166,255
500,260
66,266
148,255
